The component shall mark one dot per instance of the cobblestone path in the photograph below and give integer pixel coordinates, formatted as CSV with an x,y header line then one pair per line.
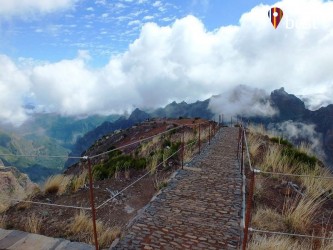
x,y
201,206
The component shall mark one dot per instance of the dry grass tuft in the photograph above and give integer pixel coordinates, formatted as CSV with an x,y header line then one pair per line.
x,y
127,174
57,184
204,134
23,206
259,189
272,158
82,227
276,243
257,129
107,236
160,183
80,224
79,181
33,224
275,162
150,146
152,163
268,219
5,204
299,214
188,137
254,144
305,148
316,187
3,221
327,244
261,130
189,151
156,139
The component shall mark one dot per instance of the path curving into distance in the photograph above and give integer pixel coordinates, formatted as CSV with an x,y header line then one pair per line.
x,y
201,206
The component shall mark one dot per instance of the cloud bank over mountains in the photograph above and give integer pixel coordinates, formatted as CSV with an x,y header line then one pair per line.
x,y
183,61
243,101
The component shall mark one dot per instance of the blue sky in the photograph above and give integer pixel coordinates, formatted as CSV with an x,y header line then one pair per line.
x,y
105,28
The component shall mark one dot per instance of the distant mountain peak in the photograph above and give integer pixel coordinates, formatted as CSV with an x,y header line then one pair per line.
x,y
289,106
280,91
139,115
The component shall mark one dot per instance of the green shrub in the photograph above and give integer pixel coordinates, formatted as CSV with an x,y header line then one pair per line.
x,y
301,157
117,161
174,147
294,154
166,143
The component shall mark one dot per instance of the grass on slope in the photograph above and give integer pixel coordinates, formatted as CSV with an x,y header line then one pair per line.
x,y
298,213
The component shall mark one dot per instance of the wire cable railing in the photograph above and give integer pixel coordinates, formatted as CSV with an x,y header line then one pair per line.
x,y
212,131
247,202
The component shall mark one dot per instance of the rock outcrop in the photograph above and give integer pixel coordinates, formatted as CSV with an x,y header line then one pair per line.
x,y
14,185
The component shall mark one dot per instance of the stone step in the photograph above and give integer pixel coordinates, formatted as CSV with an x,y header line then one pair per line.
x,y
18,240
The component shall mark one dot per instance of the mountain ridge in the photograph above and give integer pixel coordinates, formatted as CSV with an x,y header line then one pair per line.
x,y
60,135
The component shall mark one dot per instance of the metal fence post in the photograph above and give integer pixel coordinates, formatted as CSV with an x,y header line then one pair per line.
x,y
248,210
199,140
183,146
92,203
239,143
209,133
242,153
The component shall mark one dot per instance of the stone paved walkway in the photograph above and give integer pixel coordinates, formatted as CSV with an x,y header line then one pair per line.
x,y
200,208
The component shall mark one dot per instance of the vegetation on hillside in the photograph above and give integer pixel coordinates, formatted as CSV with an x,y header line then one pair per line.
x,y
290,204
159,156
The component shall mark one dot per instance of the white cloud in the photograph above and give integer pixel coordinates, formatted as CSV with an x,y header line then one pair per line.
x,y
100,2
184,61
157,4
14,85
301,133
316,101
243,101
148,17
120,5
25,8
168,19
105,15
134,22
162,8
